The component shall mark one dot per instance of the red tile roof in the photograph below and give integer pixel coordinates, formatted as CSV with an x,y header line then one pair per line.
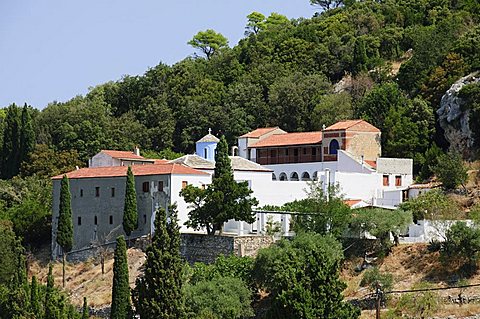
x,y
259,132
305,138
354,125
161,161
123,154
373,164
352,202
138,170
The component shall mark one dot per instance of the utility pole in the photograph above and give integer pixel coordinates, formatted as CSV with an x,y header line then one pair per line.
x,y
378,294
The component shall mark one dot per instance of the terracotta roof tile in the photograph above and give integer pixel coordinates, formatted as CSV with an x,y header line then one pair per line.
x,y
373,164
352,202
259,132
122,154
355,125
305,138
138,170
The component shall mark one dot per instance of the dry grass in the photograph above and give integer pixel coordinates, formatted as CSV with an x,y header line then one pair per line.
x,y
411,265
86,279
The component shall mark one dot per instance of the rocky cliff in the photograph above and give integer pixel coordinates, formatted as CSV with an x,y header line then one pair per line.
x,y
454,118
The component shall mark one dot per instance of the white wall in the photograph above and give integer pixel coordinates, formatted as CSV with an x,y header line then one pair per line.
x,y
357,185
299,168
428,230
103,160
176,187
242,147
346,163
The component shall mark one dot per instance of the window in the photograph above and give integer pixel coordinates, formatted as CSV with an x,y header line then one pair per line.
x,y
113,191
205,153
314,151
160,186
146,187
273,153
398,180
286,151
304,151
97,191
295,152
81,192
79,221
385,180
111,220
334,146
184,184
145,219
95,220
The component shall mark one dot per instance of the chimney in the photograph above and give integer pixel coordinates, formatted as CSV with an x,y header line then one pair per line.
x,y
136,150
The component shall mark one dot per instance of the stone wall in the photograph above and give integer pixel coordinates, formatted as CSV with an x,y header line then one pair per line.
x,y
204,248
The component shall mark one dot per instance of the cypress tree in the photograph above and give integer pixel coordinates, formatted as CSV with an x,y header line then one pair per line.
x,y
34,298
27,135
85,314
121,307
50,306
65,223
360,58
10,156
130,214
158,293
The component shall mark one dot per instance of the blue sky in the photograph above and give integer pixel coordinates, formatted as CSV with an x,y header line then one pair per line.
x,y
56,49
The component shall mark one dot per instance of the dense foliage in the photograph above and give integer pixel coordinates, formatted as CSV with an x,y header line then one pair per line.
x,y
158,293
302,278
462,245
121,305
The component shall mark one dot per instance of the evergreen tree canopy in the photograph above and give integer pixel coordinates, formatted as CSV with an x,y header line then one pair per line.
x,y
121,306
130,213
10,155
27,135
65,223
158,293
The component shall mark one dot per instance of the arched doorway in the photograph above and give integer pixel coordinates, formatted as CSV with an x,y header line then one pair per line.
x,y
294,176
333,148
274,178
283,177
306,176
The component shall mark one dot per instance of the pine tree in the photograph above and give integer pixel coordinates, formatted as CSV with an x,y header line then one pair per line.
x,y
130,213
121,307
85,314
10,155
34,297
27,135
159,294
65,223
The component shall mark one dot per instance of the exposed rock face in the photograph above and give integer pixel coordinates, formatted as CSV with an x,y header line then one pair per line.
x,y
453,119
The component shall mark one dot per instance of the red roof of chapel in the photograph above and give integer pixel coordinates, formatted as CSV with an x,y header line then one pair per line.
x,y
122,154
304,138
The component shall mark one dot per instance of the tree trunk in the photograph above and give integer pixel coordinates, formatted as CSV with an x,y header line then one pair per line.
x,y
102,262
64,258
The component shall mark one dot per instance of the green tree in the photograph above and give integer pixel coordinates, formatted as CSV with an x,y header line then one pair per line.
x,y
433,205
255,23
373,278
51,306
85,312
380,223
27,135
130,213
46,162
302,277
65,223
359,63
451,171
121,306
322,212
219,298
326,4
9,247
223,200
35,298
10,156
209,42
429,161
462,245
158,293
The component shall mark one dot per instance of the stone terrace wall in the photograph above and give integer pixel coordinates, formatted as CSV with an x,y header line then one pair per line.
x,y
204,248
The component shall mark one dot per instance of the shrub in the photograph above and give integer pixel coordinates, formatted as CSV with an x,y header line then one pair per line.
x,y
219,298
462,245
373,277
